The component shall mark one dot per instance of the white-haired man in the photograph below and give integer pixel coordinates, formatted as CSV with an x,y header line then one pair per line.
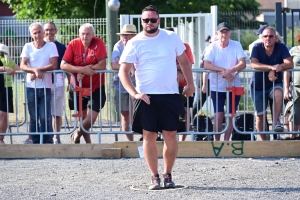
x,y
38,57
83,56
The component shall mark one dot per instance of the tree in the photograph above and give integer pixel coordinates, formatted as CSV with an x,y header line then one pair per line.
x,y
58,9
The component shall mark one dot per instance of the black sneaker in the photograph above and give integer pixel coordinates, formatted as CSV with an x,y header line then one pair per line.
x,y
155,182
168,183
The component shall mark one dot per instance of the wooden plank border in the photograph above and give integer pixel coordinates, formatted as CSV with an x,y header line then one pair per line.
x,y
188,149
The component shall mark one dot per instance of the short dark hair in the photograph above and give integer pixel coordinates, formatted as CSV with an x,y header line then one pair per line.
x,y
50,22
169,29
151,8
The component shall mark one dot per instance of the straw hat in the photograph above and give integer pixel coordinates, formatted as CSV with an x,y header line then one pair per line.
x,y
4,48
128,29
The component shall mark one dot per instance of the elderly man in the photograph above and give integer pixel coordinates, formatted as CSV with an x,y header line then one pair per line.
x,y
225,57
83,56
57,91
260,39
128,31
38,57
271,57
158,106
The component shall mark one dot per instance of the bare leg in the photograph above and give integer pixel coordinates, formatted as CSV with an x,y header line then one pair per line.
x,y
229,130
260,120
295,128
3,123
182,137
278,102
125,124
56,125
87,122
218,124
170,150
150,151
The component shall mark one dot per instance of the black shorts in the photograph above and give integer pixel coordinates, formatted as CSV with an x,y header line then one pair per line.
x,y
163,113
185,99
6,100
96,104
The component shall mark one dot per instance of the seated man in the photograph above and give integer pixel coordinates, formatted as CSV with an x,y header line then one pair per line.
x,y
83,56
272,57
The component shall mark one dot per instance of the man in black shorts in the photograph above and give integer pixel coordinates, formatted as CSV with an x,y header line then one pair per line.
x,y
158,106
83,56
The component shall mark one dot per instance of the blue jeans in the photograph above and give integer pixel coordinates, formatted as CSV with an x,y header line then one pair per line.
x,y
39,108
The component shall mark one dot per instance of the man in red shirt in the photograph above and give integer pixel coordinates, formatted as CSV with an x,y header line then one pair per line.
x,y
83,56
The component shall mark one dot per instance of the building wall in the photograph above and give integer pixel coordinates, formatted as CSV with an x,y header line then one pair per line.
x,y
5,10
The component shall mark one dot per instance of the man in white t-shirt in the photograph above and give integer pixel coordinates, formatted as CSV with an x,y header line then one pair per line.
x,y
38,57
225,57
158,106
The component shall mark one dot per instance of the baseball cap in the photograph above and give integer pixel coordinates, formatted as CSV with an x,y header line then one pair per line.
x,y
261,29
223,26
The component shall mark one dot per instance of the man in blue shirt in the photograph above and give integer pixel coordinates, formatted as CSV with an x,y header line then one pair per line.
x,y
272,58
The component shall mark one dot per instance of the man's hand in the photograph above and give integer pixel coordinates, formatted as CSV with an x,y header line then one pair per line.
x,y
272,76
80,77
38,74
87,70
32,77
143,97
226,73
188,90
277,68
9,71
180,77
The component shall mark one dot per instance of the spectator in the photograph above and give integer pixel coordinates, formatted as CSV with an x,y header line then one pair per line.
x,y
260,39
182,83
6,95
128,31
158,105
57,91
38,57
83,56
292,91
271,57
226,57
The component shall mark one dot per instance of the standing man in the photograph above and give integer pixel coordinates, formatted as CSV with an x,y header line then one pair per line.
x,y
128,31
38,57
83,56
271,57
225,57
158,106
57,91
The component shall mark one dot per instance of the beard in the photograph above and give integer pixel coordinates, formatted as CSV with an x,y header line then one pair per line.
x,y
151,31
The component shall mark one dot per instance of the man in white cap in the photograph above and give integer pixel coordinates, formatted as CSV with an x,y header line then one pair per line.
x,y
225,57
128,31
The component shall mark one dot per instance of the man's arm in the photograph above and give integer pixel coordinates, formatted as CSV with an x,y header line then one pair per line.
x,y
210,66
187,72
255,64
87,70
101,65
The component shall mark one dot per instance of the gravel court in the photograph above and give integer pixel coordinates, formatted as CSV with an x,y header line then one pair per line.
x,y
238,178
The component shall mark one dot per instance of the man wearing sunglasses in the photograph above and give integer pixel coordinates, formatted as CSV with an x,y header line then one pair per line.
x,y
158,106
272,58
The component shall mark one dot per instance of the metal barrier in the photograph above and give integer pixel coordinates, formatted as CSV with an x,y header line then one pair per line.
x,y
107,121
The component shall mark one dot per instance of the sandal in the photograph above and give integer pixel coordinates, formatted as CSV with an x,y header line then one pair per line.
x,y
278,128
73,140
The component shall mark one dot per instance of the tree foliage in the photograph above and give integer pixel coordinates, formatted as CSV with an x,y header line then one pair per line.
x,y
58,9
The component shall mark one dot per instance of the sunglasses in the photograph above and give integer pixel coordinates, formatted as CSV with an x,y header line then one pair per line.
x,y
152,20
268,36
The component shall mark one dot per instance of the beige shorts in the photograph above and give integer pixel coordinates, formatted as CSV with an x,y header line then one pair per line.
x,y
57,101
124,101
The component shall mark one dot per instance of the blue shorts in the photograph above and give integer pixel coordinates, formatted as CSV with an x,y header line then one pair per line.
x,y
261,104
219,105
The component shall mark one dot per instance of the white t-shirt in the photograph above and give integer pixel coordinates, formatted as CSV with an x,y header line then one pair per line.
x,y
38,58
155,59
223,57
